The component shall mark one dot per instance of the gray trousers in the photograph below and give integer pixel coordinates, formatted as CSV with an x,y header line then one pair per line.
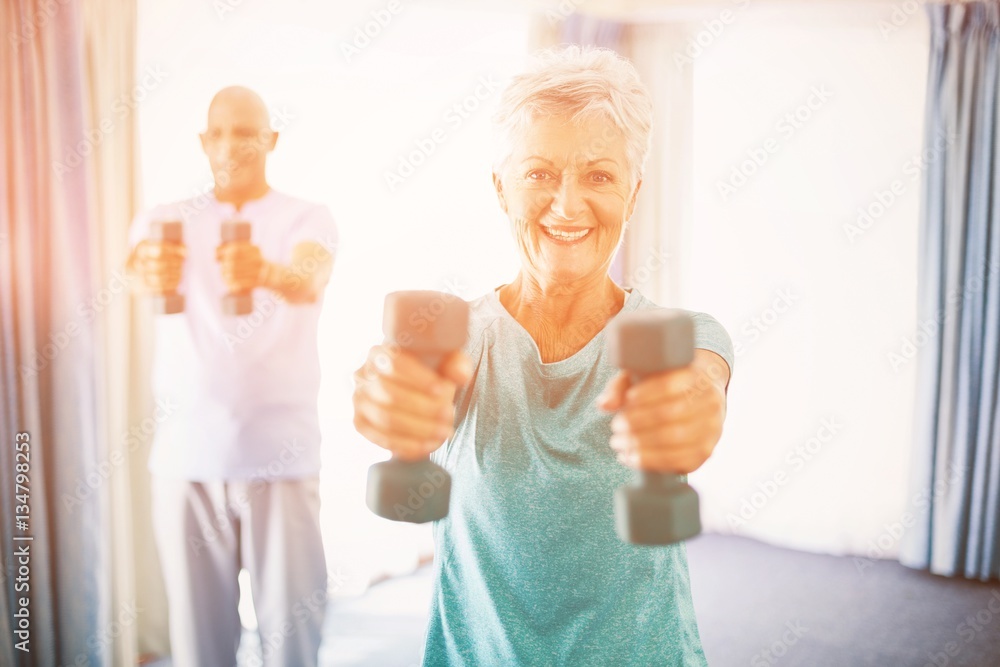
x,y
206,532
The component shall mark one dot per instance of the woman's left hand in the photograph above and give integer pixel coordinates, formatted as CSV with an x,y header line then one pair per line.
x,y
670,421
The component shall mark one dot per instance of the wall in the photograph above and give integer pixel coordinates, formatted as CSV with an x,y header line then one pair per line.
x,y
818,439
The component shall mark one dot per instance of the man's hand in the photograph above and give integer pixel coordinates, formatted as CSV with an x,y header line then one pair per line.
x,y
159,266
671,421
243,266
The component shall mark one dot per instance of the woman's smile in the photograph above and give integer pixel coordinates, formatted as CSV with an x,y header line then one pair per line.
x,y
567,236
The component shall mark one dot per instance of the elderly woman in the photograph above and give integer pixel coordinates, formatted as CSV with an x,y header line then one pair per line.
x,y
529,570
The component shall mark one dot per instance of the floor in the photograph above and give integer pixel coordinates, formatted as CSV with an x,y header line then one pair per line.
x,y
757,605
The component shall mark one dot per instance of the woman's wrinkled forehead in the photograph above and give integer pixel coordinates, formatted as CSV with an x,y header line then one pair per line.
x,y
569,141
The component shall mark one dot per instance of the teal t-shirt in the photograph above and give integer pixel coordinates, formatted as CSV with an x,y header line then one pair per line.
x,y
528,567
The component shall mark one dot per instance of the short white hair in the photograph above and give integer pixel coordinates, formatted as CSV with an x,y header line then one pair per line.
x,y
581,84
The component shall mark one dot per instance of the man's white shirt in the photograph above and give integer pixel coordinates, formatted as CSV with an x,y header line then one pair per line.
x,y
245,387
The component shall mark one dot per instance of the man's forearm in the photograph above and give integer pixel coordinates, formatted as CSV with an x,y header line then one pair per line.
x,y
303,280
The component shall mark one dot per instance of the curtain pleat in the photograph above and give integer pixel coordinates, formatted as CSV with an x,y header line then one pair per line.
x,y
48,382
956,474
65,183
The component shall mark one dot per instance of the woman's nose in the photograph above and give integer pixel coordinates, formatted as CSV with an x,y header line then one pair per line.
x,y
567,200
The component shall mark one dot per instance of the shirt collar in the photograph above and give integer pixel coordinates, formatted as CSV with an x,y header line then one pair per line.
x,y
229,211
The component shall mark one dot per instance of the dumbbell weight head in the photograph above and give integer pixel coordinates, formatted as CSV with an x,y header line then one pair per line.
x,y
425,323
659,508
236,303
167,231
411,491
651,341
429,325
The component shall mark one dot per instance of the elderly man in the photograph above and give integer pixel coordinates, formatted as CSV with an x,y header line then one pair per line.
x,y
529,570
235,467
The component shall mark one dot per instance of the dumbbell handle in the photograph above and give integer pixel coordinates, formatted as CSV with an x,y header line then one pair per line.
x,y
652,477
172,232
431,360
235,230
240,302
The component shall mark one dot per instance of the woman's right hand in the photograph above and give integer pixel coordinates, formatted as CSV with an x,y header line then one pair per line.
x,y
404,406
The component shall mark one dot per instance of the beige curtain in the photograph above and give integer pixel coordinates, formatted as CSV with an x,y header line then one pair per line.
x,y
115,97
653,252
69,99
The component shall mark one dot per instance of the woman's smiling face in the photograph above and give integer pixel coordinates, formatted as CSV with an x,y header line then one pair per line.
x,y
567,189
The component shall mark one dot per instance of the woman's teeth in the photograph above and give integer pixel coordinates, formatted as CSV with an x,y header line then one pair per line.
x,y
566,236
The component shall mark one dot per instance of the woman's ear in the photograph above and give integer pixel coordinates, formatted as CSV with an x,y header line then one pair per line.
x,y
501,197
631,203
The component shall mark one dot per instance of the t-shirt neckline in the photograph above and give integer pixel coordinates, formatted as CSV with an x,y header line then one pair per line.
x,y
583,358
229,210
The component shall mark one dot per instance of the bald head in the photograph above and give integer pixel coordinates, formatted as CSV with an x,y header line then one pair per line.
x,y
242,101
237,141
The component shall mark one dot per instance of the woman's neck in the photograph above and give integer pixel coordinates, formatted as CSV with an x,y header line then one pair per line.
x,y
562,319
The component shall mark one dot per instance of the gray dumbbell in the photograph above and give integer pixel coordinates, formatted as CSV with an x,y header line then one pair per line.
x,y
429,325
167,231
236,303
658,508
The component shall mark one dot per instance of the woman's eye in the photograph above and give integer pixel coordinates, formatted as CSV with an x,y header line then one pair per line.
x,y
537,175
601,177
